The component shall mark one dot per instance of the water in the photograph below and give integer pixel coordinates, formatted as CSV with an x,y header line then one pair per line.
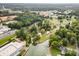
x,y
38,50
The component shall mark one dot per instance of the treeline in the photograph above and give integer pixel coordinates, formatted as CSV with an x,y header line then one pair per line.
x,y
25,20
33,34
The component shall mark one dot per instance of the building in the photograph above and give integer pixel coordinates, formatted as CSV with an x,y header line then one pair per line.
x,y
43,13
4,29
11,49
7,18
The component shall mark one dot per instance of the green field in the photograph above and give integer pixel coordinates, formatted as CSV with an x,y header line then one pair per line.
x,y
6,39
54,51
44,38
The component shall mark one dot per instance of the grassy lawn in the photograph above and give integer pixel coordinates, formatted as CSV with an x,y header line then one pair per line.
x,y
43,38
6,39
54,51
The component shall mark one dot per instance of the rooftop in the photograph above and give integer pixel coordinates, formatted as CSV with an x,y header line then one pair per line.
x,y
11,49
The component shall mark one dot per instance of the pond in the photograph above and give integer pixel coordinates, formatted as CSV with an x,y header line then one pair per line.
x,y
38,50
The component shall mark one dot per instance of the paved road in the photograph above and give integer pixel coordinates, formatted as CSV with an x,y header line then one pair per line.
x,y
38,50
7,34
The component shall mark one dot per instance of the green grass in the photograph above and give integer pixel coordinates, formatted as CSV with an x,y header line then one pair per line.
x,y
43,38
6,39
55,51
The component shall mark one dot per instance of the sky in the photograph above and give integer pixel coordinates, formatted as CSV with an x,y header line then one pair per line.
x,y
39,1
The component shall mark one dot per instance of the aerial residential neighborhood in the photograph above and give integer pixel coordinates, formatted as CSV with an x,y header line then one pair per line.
x,y
39,29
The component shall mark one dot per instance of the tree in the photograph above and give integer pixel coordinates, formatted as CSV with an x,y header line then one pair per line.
x,y
71,36
28,40
34,29
55,44
46,25
70,53
54,41
72,40
42,31
65,42
61,32
14,25
36,39
18,34
21,34
68,26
